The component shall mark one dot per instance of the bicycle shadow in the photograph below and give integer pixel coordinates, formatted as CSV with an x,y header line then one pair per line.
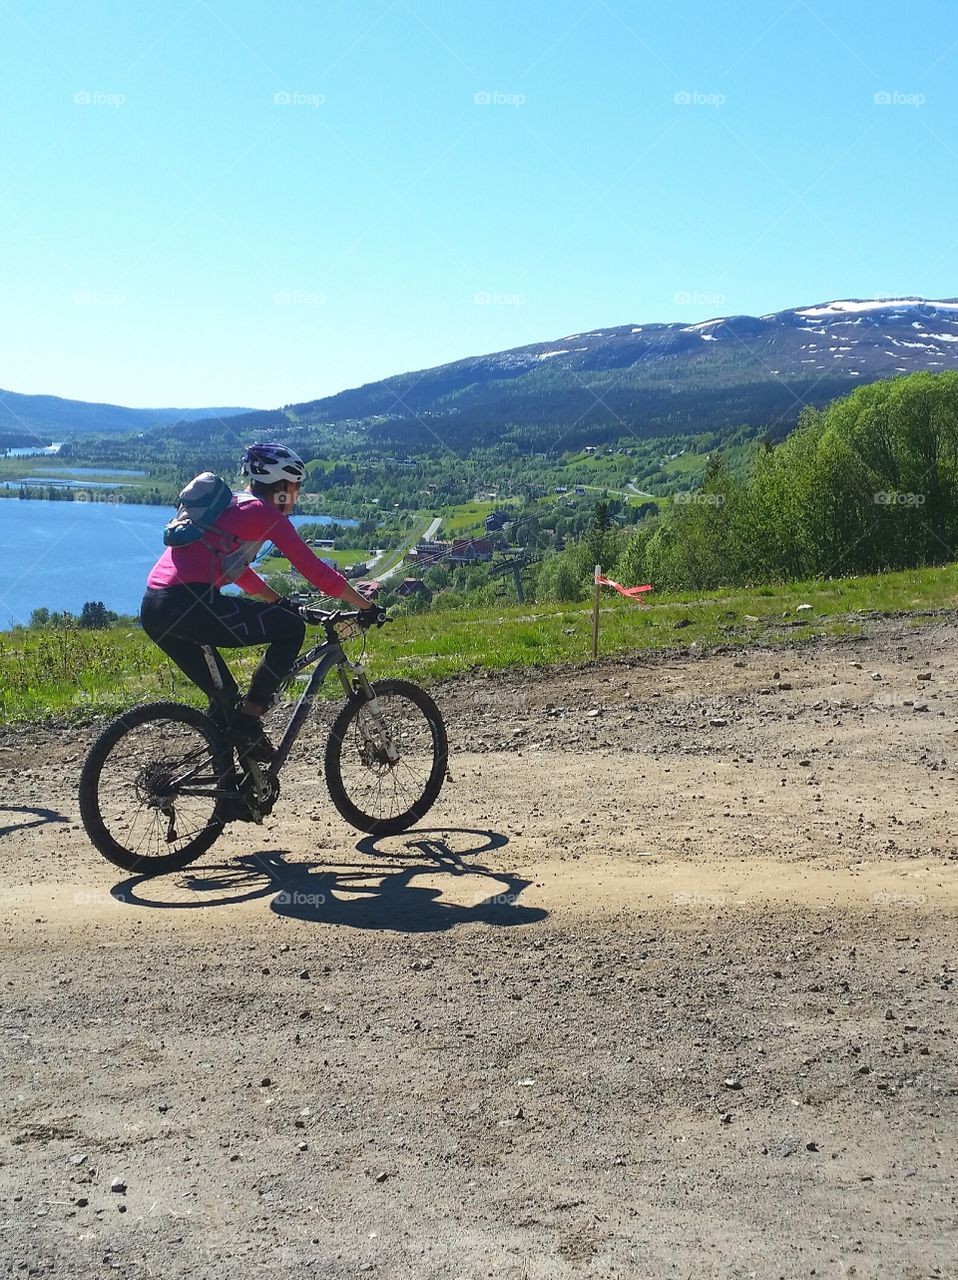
x,y
43,816
357,895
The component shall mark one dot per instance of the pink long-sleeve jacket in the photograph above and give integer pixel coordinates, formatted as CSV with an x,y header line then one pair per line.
x,y
246,520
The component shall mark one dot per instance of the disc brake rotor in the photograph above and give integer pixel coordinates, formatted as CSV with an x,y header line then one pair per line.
x,y
371,754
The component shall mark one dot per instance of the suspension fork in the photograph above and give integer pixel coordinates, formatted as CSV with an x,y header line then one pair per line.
x,y
355,681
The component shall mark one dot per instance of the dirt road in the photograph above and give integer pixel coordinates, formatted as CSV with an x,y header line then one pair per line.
x,y
665,989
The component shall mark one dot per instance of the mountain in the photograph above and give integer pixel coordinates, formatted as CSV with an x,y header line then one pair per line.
x,y
652,379
28,420
642,379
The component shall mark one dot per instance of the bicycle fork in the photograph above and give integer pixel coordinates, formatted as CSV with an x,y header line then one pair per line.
x,y
359,683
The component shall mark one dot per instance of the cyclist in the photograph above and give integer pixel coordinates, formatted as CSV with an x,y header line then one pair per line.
x,y
184,609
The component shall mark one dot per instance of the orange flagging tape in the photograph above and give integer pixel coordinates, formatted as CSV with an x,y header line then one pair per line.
x,y
631,592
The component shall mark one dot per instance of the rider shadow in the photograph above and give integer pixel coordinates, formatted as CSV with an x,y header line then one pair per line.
x,y
358,896
43,816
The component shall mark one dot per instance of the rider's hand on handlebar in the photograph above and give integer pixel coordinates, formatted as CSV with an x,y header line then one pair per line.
x,y
292,603
372,617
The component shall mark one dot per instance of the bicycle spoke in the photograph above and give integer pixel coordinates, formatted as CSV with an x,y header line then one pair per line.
x,y
386,770
152,773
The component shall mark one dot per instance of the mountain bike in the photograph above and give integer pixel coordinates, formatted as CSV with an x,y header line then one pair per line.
x,y
162,780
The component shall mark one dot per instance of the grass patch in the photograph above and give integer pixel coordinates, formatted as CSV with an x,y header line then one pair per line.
x,y
279,564
686,464
466,518
73,673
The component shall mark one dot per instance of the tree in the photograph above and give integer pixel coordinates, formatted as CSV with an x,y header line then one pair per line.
x,y
94,616
598,538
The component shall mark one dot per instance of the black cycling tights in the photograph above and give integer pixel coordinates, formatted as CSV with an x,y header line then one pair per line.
x,y
183,618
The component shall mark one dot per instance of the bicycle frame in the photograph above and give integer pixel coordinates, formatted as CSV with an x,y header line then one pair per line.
x,y
327,655
354,680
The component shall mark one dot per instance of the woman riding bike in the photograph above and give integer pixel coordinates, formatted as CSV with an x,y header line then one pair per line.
x,y
184,609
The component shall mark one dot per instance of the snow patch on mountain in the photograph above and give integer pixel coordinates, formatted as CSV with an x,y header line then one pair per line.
x,y
852,305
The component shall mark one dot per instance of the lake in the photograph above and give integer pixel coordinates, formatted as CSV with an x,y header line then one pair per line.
x,y
33,452
61,554
54,482
90,471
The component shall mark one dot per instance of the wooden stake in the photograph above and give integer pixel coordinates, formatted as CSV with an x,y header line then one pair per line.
x,y
595,615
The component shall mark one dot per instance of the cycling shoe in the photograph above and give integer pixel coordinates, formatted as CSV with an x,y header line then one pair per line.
x,y
249,738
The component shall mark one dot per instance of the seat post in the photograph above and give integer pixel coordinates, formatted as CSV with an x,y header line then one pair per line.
x,y
219,701
214,669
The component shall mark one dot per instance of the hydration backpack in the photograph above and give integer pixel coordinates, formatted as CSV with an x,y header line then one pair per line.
x,y
199,506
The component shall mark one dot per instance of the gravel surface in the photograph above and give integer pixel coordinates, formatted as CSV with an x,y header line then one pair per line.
x,y
663,986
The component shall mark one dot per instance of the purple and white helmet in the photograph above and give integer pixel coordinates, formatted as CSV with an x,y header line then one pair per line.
x,y
269,463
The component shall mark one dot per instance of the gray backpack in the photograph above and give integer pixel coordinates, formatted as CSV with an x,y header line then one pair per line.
x,y
199,506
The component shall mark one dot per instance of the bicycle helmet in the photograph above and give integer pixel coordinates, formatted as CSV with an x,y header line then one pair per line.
x,y
270,463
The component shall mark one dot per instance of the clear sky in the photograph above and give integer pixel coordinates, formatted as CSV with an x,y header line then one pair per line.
x,y
228,202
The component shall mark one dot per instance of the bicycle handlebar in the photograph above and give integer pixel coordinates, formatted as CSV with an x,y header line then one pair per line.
x,y
365,618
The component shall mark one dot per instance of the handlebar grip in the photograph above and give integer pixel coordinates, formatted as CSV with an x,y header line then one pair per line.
x,y
372,618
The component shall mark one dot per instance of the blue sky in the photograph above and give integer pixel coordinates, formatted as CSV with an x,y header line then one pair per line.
x,y
205,202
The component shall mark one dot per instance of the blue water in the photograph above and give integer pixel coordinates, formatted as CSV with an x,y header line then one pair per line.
x,y
46,452
48,482
61,554
92,471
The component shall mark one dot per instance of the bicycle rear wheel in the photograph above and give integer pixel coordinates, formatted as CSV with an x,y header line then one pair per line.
x,y
150,786
373,792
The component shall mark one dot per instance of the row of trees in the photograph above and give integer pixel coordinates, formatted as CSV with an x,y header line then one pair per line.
x,y
870,483
94,616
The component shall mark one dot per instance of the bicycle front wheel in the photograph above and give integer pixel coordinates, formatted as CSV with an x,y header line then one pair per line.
x,y
150,786
384,775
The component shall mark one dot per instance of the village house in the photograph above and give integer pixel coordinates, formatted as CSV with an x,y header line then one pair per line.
x,y
429,551
496,519
470,551
413,587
